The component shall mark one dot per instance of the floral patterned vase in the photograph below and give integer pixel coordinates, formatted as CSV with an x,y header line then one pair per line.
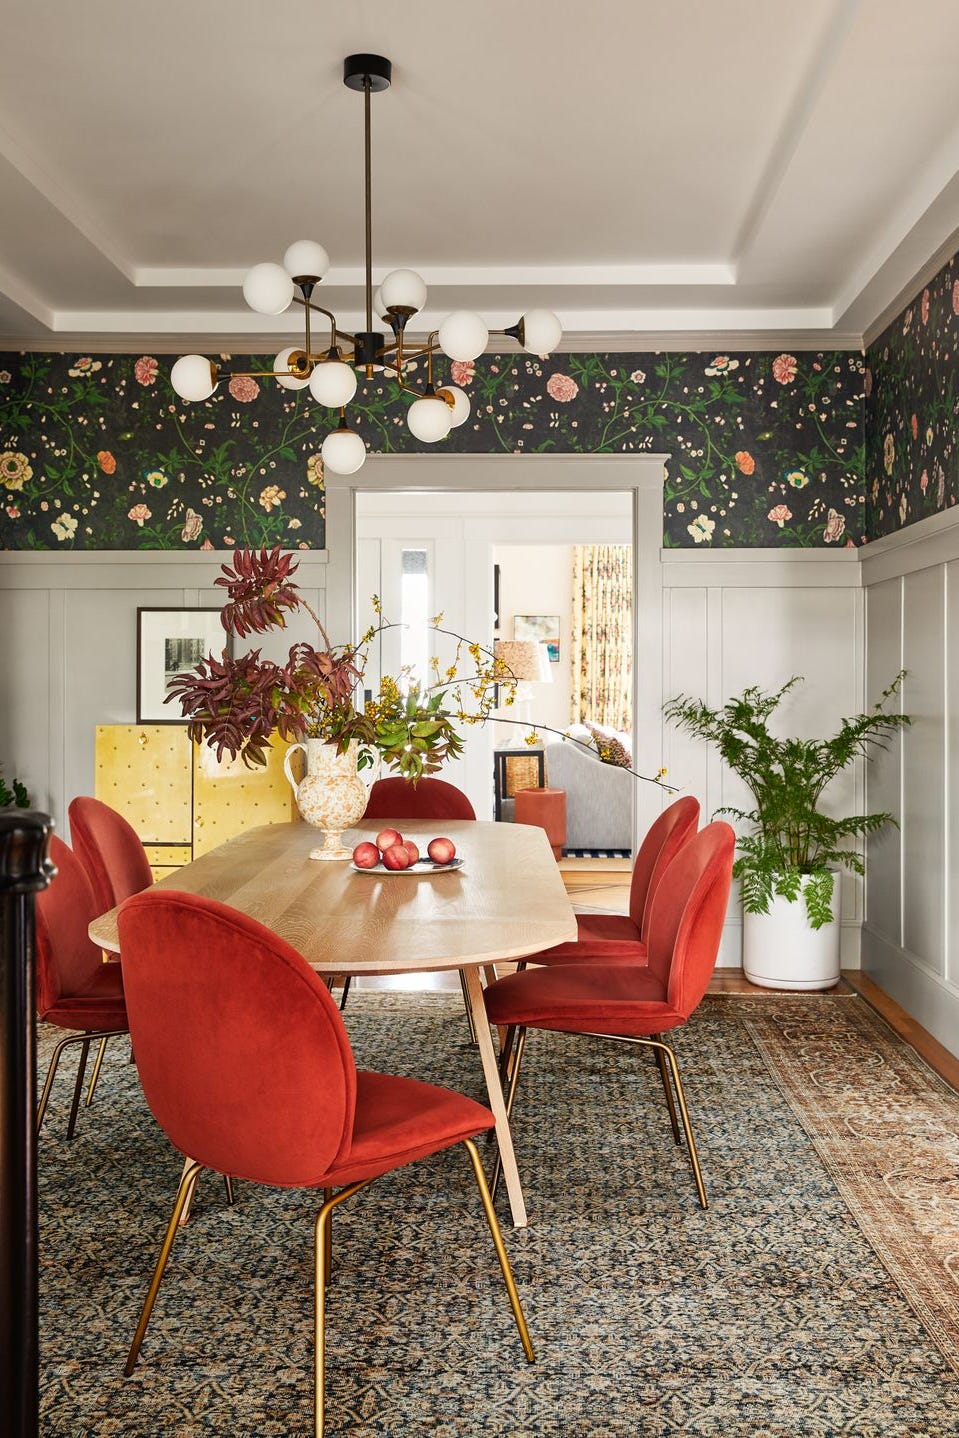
x,y
332,796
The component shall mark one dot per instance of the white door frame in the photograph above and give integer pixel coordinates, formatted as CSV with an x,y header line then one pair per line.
x,y
642,474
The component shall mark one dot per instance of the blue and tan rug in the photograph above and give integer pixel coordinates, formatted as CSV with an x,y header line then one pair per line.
x,y
817,1296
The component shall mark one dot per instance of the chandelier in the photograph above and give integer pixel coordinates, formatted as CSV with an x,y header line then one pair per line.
x,y
330,370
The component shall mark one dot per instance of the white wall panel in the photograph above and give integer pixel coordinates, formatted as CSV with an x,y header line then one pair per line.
x,y
724,633
923,758
884,773
912,597
25,690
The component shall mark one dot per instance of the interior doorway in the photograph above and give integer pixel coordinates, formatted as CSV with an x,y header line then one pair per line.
x,y
500,566
641,475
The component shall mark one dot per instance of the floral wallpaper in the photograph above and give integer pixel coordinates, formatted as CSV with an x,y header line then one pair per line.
x,y
99,453
912,403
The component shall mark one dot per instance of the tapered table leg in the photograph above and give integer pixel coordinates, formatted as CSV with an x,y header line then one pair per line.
x,y
497,1102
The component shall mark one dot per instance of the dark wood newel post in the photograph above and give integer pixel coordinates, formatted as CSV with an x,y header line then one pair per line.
x,y
24,870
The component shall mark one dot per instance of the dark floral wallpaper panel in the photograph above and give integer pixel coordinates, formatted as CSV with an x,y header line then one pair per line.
x,y
99,453
912,404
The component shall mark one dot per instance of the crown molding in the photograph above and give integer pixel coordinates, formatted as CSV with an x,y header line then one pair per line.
x,y
587,342
909,291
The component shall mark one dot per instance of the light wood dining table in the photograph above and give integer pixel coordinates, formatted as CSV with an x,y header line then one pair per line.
x,y
506,902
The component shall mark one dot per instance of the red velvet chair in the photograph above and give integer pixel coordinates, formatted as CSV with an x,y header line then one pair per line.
x,y
75,989
427,799
110,850
257,1078
616,938
633,1003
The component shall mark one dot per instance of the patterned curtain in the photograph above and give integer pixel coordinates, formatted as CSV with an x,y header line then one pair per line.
x,y
602,635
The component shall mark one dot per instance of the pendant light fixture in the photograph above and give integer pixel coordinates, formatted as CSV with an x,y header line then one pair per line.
x,y
330,371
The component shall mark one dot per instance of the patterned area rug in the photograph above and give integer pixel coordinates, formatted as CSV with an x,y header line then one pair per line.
x,y
826,1146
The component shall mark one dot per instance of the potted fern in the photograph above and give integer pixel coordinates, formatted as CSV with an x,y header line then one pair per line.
x,y
790,860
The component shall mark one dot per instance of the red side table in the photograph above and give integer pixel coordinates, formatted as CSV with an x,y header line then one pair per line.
x,y
547,809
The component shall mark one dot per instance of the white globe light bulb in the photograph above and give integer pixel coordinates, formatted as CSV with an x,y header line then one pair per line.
x,y
281,368
463,335
343,451
429,419
461,403
268,289
379,307
333,383
542,332
404,290
192,377
306,260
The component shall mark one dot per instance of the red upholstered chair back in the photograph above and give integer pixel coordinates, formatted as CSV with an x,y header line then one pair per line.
x,y
68,962
242,1053
687,914
110,850
674,827
429,799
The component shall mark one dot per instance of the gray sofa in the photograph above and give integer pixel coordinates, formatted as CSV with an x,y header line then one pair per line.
x,y
599,797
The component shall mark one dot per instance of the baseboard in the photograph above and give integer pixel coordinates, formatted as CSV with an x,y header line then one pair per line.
x,y
928,998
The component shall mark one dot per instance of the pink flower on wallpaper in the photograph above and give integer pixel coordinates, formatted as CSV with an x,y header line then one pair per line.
x,y
888,453
206,544
955,298
744,461
784,369
462,371
145,370
835,525
780,515
924,307
914,426
562,387
192,525
903,508
867,383
924,480
244,388
139,514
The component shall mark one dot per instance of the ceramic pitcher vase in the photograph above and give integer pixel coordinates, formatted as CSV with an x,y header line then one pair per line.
x,y
332,796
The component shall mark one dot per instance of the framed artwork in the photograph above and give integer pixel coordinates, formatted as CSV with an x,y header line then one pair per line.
x,y
542,627
170,641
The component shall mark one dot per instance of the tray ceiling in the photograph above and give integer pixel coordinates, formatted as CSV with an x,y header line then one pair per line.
x,y
671,169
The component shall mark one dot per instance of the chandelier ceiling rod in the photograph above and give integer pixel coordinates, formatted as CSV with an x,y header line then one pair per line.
x,y
331,375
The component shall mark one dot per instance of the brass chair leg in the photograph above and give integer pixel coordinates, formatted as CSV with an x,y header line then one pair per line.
x,y
687,1126
51,1071
346,990
466,1005
78,1089
510,1100
230,1191
664,1075
322,1248
96,1070
501,1253
184,1191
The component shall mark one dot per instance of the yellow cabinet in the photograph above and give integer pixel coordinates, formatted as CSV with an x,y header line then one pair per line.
x,y
180,800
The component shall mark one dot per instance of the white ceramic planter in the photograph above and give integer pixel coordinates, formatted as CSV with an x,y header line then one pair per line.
x,y
782,951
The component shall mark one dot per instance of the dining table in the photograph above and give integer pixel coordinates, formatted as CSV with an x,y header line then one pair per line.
x,y
505,901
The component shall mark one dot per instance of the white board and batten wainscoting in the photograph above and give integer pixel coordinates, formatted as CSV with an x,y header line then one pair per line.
x,y
707,623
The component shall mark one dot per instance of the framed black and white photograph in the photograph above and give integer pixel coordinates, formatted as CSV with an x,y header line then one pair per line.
x,y
169,642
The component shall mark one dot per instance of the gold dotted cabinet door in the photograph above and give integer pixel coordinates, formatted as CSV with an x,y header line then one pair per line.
x,y
228,797
144,772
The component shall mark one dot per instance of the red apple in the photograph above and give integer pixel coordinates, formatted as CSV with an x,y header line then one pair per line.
x,y
366,856
412,850
441,851
397,856
387,837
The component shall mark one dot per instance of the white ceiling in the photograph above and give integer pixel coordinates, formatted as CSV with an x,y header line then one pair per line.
x,y
650,169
